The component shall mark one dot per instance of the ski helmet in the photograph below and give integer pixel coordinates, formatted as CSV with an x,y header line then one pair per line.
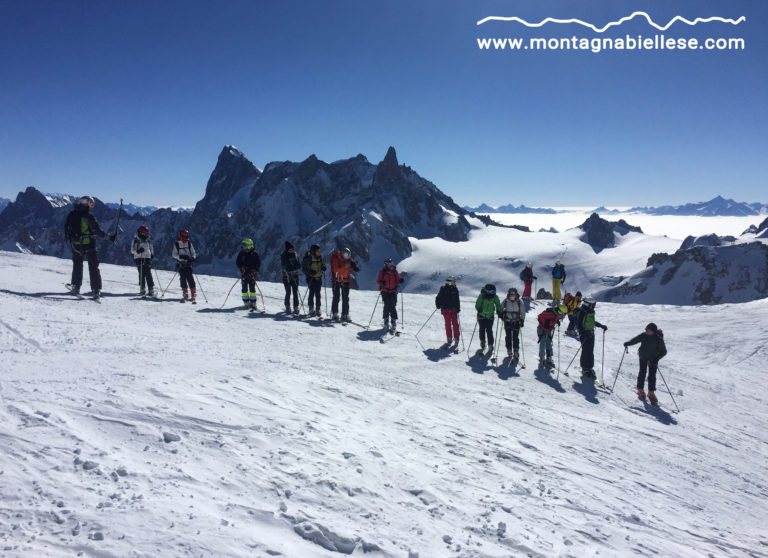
x,y
578,294
652,326
450,280
314,248
86,201
184,234
589,301
346,253
490,288
512,291
562,309
529,264
143,231
388,261
247,244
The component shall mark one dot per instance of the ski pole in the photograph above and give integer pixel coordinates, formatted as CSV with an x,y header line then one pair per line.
x,y
301,300
522,347
498,340
230,292
619,369
666,386
602,364
157,277
374,311
569,364
402,309
141,275
558,346
325,292
201,287
425,323
169,284
471,337
261,295
461,331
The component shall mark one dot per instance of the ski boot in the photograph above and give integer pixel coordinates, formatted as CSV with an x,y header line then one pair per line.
x,y
335,317
184,295
142,292
287,308
641,394
652,398
296,311
193,296
96,294
393,327
152,292
345,319
385,325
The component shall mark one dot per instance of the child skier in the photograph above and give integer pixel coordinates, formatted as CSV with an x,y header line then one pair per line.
x,y
487,305
572,303
342,266
184,254
447,300
248,262
586,326
143,252
312,267
527,277
513,314
652,349
548,320
289,261
558,278
389,280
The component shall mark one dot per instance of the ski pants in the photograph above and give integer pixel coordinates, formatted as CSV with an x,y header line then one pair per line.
x,y
512,334
78,257
571,322
340,290
144,265
587,359
652,366
248,286
556,289
291,284
389,300
314,284
486,330
527,288
545,343
451,317
186,277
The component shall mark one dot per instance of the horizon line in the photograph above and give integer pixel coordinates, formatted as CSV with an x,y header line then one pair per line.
x,y
614,23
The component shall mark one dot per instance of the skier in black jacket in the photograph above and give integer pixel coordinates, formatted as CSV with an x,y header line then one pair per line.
x,y
289,260
447,300
248,262
652,349
80,229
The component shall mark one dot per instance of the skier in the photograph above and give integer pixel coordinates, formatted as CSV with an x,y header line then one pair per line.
x,y
342,266
548,320
389,280
586,326
558,278
289,260
527,277
143,252
80,229
249,263
513,314
447,300
652,349
312,267
572,303
487,305
184,254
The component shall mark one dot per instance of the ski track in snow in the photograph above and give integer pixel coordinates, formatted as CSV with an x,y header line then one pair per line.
x,y
152,428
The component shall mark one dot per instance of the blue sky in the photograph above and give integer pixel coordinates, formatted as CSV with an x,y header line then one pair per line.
x,y
137,99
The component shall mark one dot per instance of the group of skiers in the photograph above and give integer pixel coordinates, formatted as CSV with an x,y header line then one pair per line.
x,y
81,228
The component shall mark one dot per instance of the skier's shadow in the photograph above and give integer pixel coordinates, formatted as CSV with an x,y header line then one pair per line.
x,y
220,310
436,355
368,335
478,363
587,389
505,372
545,377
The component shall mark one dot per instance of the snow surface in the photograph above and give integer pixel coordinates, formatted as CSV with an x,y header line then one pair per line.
x,y
139,428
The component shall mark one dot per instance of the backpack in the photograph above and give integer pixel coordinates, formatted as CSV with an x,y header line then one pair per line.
x,y
567,298
557,271
305,263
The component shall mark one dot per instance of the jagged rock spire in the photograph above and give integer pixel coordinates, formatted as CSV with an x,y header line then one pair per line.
x,y
389,169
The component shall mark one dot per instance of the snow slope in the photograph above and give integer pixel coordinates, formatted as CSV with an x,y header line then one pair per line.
x,y
139,428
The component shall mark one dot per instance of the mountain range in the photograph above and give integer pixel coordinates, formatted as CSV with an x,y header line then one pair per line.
x,y
716,207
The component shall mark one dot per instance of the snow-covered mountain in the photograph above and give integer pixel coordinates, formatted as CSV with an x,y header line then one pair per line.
x,y
3,203
373,209
153,428
717,206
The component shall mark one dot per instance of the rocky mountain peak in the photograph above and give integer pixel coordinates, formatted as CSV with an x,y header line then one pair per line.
x,y
388,170
600,232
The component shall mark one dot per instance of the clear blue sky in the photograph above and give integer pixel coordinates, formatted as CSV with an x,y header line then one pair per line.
x,y
136,99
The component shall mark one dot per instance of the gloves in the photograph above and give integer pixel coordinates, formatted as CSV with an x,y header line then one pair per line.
x,y
535,277
324,267
605,328
112,238
184,258
140,250
522,323
626,345
402,280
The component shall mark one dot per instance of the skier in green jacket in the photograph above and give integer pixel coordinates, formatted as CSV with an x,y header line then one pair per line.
x,y
487,305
